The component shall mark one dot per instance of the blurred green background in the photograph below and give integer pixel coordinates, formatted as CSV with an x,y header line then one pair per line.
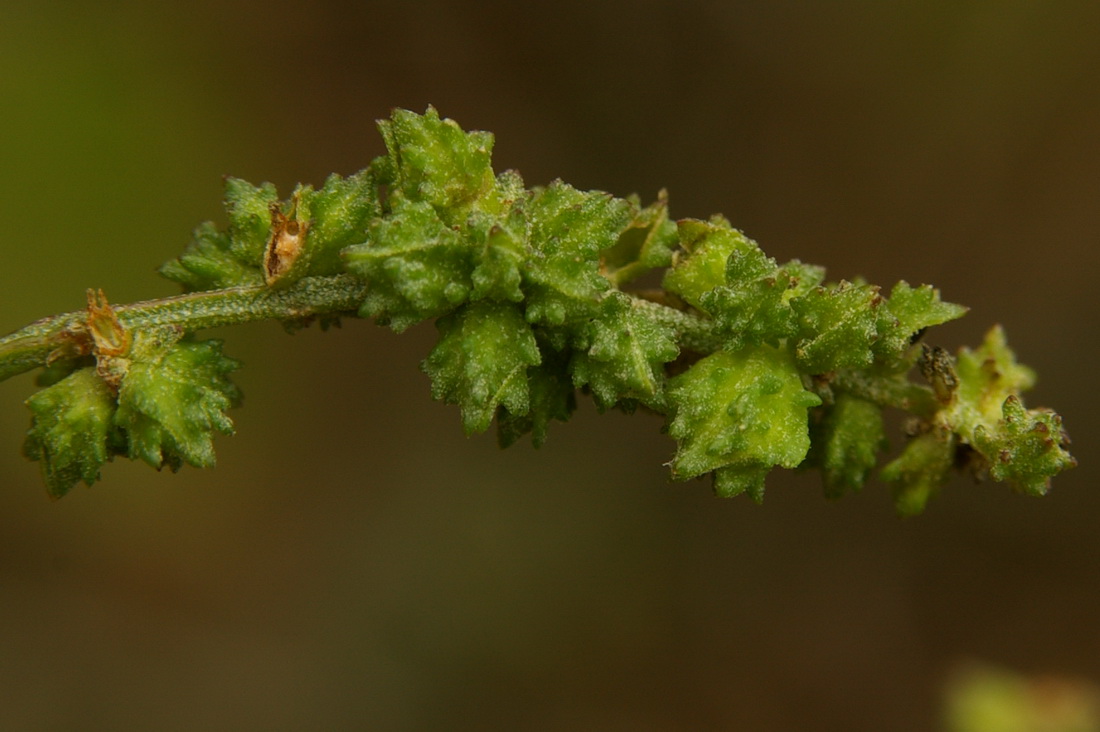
x,y
354,562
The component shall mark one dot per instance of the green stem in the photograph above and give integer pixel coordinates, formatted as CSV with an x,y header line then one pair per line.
x,y
30,347
696,332
896,392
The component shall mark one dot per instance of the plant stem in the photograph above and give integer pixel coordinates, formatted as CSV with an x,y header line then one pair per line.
x,y
899,393
31,346
696,332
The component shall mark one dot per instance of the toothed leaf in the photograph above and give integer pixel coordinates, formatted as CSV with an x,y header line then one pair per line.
x,y
552,396
249,210
417,267
435,162
921,469
733,480
907,312
567,229
745,410
846,443
481,362
627,354
173,399
70,430
209,263
836,327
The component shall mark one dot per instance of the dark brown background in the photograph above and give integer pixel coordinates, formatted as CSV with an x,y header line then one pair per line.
x,y
354,562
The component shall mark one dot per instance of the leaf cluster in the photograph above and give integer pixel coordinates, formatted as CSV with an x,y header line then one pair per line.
x,y
754,364
166,403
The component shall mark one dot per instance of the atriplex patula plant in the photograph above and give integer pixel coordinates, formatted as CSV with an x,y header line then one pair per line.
x,y
754,364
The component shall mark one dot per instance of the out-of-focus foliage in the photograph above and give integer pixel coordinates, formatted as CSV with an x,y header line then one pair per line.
x,y
989,699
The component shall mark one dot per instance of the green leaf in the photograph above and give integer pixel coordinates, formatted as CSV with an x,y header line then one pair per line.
x,y
435,162
837,326
701,267
645,244
499,253
1025,447
209,263
746,411
249,209
753,306
733,480
499,241
846,443
566,231
907,312
627,354
552,396
921,469
173,399
986,377
481,362
71,430
338,216
417,266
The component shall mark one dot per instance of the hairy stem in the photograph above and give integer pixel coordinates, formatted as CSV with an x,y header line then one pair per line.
x,y
899,393
30,347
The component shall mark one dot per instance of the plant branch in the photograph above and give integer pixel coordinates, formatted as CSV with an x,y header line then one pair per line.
x,y
32,346
783,369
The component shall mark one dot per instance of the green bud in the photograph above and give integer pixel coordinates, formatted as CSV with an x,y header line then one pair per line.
x,y
499,252
701,267
751,308
987,376
647,243
837,325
